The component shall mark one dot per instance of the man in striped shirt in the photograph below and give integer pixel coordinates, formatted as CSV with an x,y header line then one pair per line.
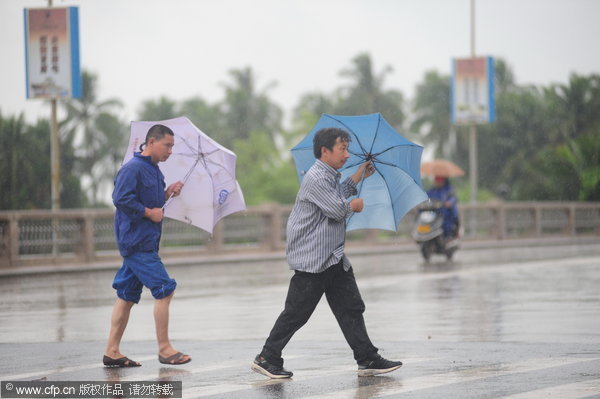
x,y
315,250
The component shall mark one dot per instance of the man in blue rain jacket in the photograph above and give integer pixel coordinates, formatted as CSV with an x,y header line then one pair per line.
x,y
139,188
139,196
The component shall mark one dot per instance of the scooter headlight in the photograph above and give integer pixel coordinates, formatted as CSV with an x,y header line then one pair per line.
x,y
427,216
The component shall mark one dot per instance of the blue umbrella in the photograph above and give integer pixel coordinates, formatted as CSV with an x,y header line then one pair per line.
x,y
395,187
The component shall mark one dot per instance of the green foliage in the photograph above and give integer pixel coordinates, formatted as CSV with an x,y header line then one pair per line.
x,y
463,193
246,110
556,156
25,167
113,138
157,110
506,147
97,135
431,108
206,116
576,164
364,94
264,176
545,144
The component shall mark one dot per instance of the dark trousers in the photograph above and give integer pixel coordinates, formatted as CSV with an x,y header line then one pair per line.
x,y
306,289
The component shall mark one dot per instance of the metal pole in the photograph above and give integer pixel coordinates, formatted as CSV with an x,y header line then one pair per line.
x,y
473,129
472,28
473,143
473,162
54,170
55,158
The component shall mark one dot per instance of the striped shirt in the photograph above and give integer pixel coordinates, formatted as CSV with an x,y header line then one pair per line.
x,y
316,228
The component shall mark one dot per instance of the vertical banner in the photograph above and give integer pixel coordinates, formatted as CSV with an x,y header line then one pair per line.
x,y
472,91
52,53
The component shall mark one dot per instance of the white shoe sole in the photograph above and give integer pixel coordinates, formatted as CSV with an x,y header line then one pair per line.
x,y
370,372
256,368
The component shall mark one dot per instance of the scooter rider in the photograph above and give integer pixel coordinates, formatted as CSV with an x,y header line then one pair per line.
x,y
443,192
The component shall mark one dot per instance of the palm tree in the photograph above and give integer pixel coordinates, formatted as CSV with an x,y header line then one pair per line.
x,y
431,108
504,76
24,166
80,127
545,143
206,116
574,142
366,93
157,110
508,147
304,116
247,109
576,105
16,169
114,136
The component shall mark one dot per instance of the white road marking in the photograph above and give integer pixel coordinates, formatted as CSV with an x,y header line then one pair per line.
x,y
301,375
575,390
453,377
57,370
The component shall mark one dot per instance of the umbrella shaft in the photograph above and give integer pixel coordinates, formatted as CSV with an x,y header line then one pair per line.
x,y
168,201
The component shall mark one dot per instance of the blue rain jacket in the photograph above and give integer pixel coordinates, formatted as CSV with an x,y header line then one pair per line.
x,y
139,184
450,215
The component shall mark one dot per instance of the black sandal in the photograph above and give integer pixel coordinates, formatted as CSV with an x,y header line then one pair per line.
x,y
121,362
175,359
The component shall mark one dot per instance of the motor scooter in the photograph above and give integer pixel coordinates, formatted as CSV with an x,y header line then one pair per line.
x,y
429,234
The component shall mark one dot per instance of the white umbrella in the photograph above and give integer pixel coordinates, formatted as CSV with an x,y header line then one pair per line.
x,y
206,168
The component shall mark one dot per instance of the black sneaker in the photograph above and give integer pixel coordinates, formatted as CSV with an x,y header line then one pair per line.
x,y
377,366
262,366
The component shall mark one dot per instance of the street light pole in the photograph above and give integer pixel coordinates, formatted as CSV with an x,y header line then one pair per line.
x,y
54,168
473,128
54,153
54,158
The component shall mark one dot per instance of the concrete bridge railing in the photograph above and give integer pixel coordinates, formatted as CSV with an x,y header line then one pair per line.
x,y
86,235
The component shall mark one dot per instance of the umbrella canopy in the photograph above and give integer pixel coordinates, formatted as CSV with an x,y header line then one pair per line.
x,y
441,167
393,189
206,168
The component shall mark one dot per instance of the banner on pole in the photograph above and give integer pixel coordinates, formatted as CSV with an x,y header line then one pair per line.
x,y
472,91
52,52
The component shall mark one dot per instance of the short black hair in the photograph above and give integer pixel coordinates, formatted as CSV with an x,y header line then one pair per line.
x,y
327,137
157,131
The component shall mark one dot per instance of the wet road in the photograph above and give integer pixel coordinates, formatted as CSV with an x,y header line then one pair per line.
x,y
498,322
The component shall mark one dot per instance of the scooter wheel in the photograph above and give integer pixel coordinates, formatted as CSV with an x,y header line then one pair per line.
x,y
426,251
